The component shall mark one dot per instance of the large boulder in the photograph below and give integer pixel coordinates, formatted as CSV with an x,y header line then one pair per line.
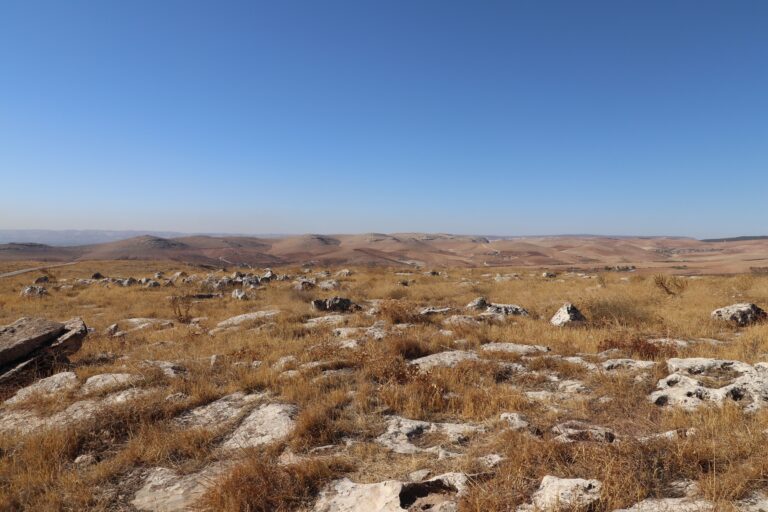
x,y
740,314
34,340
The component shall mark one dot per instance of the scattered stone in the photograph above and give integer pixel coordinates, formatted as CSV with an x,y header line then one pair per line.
x,y
264,425
627,364
444,359
99,383
303,285
478,304
218,412
506,310
34,291
58,383
165,490
330,284
733,380
336,304
567,315
35,343
515,420
515,348
574,431
434,311
239,320
563,495
401,434
439,494
740,314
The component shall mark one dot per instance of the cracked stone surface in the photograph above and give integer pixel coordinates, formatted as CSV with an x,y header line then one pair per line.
x,y
697,381
264,425
444,359
438,494
563,495
402,433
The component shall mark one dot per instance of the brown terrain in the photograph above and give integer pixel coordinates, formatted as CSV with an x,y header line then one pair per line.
x,y
678,254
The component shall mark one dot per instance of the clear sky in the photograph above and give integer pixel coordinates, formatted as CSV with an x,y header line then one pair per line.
x,y
510,117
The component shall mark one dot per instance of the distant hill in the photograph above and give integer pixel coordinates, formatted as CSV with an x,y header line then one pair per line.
x,y
736,239
416,249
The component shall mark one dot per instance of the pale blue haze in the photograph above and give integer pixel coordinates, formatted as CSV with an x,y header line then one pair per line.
x,y
535,117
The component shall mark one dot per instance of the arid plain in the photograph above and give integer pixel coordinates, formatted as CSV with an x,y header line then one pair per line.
x,y
346,386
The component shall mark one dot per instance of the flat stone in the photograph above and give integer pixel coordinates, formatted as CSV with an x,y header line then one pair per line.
x,y
58,383
444,359
165,490
563,495
107,381
264,425
238,320
514,348
26,335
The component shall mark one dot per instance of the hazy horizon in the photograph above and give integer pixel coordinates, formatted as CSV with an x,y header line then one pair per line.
x,y
521,119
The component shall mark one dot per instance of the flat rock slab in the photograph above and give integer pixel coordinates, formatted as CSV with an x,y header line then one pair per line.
x,y
563,495
218,412
438,494
515,348
402,433
26,335
238,320
58,383
165,490
444,359
264,425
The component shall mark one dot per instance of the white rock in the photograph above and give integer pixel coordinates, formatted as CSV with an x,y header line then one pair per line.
x,y
563,495
568,314
264,425
740,314
402,432
107,381
164,490
218,412
514,348
515,420
238,320
58,383
444,359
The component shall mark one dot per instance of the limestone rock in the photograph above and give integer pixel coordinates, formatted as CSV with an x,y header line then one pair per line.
x,y
438,494
264,425
568,314
335,304
740,314
444,359
515,348
58,383
563,495
734,380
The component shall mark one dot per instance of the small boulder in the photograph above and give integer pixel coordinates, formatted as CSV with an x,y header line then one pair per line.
x,y
567,315
740,314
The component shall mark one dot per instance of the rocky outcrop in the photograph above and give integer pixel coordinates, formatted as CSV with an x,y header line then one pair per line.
x,y
740,314
696,381
36,343
563,495
444,359
438,494
403,434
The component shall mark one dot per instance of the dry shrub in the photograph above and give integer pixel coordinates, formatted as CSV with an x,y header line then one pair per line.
x,y
409,348
261,484
671,285
323,423
617,312
400,312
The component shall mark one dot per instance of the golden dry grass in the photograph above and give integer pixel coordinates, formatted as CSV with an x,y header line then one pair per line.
x,y
346,406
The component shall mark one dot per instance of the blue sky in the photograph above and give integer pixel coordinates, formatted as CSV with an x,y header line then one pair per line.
x,y
534,117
